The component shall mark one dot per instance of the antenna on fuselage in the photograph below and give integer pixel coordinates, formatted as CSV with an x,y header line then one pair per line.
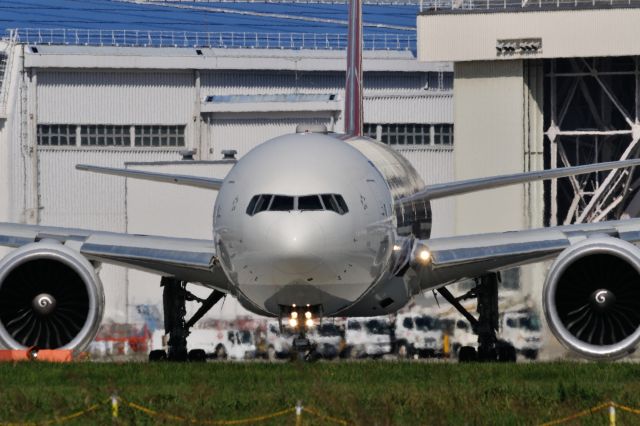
x,y
353,85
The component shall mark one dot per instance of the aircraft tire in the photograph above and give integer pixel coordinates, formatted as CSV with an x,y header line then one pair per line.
x,y
157,355
467,354
197,355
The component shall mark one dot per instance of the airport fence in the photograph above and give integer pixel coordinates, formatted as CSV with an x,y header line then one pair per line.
x,y
115,403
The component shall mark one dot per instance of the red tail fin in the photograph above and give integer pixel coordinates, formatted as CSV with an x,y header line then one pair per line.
x,y
353,88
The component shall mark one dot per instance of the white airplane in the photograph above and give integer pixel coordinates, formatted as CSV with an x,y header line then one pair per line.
x,y
316,224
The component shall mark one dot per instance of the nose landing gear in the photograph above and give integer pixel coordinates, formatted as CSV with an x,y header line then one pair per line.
x,y
302,319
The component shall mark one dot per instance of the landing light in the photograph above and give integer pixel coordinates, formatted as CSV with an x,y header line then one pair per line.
x,y
424,255
294,315
307,315
396,247
309,322
293,322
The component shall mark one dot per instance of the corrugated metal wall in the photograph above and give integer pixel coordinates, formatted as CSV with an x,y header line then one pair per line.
x,y
114,97
252,83
428,108
243,134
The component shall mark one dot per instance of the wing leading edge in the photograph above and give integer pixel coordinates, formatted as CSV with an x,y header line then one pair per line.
x,y
185,259
432,192
455,258
185,180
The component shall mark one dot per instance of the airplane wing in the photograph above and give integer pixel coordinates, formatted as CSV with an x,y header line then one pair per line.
x,y
185,180
185,259
442,261
432,192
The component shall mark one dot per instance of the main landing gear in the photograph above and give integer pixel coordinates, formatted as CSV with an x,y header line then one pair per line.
x,y
174,298
486,325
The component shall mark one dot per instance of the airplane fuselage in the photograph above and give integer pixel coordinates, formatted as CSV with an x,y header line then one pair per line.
x,y
311,219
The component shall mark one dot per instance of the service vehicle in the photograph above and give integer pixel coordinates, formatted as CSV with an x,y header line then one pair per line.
x,y
417,335
523,330
367,337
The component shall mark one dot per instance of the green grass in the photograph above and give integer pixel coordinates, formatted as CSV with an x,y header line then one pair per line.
x,y
364,393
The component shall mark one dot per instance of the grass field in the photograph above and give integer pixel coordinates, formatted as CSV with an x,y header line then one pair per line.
x,y
364,393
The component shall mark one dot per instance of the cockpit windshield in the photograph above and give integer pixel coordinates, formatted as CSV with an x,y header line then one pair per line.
x,y
314,202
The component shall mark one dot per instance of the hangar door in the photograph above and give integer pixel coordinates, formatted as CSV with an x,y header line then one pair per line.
x,y
242,133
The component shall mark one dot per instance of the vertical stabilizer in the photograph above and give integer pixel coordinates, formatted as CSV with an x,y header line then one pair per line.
x,y
353,86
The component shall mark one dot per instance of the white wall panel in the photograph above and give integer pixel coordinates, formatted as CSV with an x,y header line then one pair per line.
x,y
431,108
225,83
242,134
564,33
115,97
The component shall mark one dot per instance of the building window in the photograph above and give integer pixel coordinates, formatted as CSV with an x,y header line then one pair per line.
x,y
439,80
159,135
3,66
105,135
443,134
410,134
56,134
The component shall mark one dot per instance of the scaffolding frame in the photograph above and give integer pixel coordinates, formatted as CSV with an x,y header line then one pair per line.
x,y
591,117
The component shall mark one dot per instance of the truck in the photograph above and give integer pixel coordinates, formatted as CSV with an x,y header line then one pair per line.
x,y
328,340
279,340
367,337
523,330
216,343
417,335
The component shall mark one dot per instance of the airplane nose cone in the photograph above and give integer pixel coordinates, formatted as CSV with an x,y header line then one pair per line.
x,y
296,244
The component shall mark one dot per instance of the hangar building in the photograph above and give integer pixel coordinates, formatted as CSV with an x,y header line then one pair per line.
x,y
540,84
159,82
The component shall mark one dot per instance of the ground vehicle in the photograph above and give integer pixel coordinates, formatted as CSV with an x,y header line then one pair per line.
x,y
328,340
463,336
367,337
523,330
221,344
417,335
278,341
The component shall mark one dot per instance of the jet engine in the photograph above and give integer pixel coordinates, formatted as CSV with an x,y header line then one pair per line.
x,y
591,297
50,298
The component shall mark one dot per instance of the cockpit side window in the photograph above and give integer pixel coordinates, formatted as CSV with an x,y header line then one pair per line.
x,y
252,204
309,202
281,203
263,203
341,203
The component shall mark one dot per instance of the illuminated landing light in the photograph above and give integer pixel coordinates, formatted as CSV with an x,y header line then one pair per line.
x,y
424,255
309,322
294,315
293,322
307,315
396,247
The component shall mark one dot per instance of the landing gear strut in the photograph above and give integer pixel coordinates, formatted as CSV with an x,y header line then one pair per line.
x,y
486,325
174,298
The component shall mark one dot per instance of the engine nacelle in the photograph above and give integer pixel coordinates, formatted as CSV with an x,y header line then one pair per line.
x,y
591,297
50,298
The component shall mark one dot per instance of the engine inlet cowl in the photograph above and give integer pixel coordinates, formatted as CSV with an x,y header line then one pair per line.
x,y
50,298
591,297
